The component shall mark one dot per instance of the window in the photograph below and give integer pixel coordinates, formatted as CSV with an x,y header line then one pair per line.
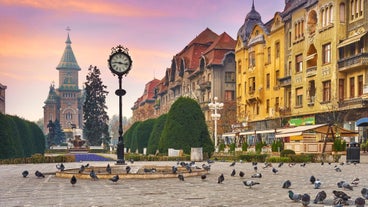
x,y
352,88
341,89
360,85
229,77
268,55
342,13
326,56
326,91
252,59
357,8
277,77
268,106
299,63
277,104
299,97
229,95
252,84
267,80
68,116
299,29
277,46
239,67
327,15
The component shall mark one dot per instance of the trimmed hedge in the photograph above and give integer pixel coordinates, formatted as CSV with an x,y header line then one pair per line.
x,y
140,157
278,159
39,158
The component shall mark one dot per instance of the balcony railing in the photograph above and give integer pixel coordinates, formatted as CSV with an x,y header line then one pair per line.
x,y
285,81
353,62
311,71
351,102
205,85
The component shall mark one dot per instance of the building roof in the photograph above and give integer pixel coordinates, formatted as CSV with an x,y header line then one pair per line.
x,y
68,60
216,52
52,97
149,93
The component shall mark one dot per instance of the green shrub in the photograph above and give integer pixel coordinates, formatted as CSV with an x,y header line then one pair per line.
x,y
98,151
259,146
303,158
286,152
278,159
276,146
221,147
245,146
253,157
232,147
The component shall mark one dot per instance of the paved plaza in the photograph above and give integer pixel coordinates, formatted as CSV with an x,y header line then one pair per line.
x,y
193,191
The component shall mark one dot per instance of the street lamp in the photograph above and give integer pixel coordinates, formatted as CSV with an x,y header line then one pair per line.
x,y
215,116
120,64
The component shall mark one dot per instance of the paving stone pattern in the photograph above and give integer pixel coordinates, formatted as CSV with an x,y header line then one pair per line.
x,y
53,191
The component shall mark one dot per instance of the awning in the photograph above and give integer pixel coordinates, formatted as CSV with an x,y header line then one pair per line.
x,y
230,134
362,122
288,134
268,131
336,129
351,40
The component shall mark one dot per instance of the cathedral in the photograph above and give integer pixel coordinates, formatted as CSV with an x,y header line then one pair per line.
x,y
66,102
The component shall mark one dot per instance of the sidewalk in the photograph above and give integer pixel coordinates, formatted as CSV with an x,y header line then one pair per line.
x,y
53,191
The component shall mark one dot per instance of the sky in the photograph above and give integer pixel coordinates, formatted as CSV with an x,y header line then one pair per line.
x,y
33,35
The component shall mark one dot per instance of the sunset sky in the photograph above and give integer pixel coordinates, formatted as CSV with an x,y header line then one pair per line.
x,y
33,34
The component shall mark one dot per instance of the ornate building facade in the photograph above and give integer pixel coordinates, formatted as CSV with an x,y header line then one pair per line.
x,y
204,69
66,102
316,71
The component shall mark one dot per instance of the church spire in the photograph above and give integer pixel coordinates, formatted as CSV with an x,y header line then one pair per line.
x,y
68,60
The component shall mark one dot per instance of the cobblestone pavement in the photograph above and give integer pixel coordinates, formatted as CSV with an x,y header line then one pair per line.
x,y
53,191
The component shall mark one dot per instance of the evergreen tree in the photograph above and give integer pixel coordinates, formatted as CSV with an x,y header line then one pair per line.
x,y
96,128
143,133
59,136
185,128
128,136
51,134
154,138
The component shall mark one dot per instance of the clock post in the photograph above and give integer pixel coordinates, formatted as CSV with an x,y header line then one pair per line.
x,y
120,64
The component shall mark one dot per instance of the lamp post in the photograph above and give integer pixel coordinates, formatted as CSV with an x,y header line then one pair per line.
x,y
214,106
120,64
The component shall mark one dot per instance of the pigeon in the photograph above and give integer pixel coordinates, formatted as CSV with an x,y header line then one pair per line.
x,y
131,160
210,161
317,184
233,173
221,178
181,177
364,193
174,169
203,177
206,167
275,171
337,169
232,164
25,173
305,199
39,174
359,202
294,196
108,169
255,168
303,164
149,170
257,175
280,164
93,175
127,169
81,169
322,163
339,184
250,183
73,180
320,197
60,167
266,165
286,184
241,174
347,186
355,182
115,178
87,165
291,164
312,179
340,194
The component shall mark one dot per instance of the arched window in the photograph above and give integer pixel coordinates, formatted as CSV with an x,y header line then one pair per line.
x,y
342,13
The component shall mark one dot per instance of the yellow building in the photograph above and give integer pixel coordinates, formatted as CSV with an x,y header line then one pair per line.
x,y
260,64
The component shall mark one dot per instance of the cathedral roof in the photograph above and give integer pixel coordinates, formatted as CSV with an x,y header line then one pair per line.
x,y
68,60
52,97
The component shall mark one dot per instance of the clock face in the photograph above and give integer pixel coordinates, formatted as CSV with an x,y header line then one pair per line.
x,y
120,62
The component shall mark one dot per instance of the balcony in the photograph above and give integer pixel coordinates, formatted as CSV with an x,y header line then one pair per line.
x,y
353,102
285,81
353,62
205,85
311,71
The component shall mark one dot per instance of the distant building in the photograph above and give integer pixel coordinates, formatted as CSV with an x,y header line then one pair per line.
x,y
2,98
66,102
202,70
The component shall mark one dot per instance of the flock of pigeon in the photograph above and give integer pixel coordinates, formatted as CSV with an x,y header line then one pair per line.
x,y
341,198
